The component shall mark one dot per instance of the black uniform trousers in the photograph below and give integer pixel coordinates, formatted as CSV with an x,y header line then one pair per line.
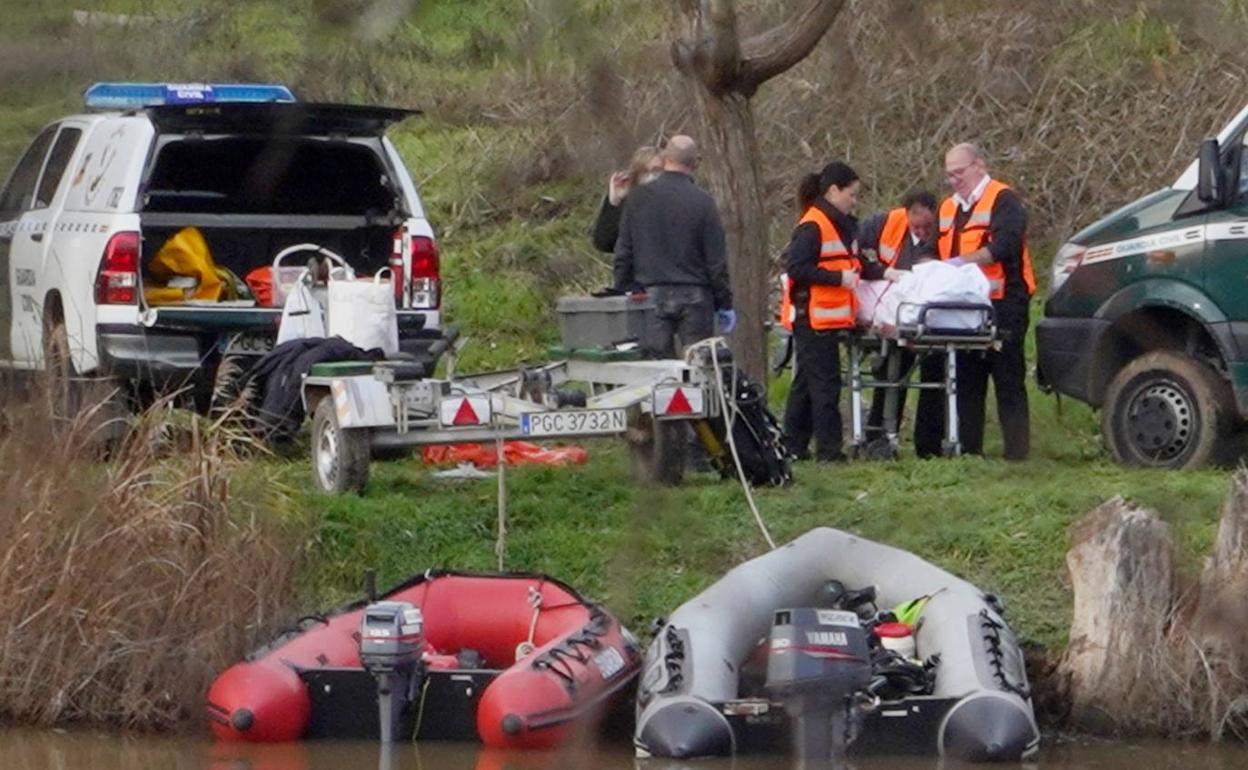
x,y
683,315
929,420
814,399
1008,369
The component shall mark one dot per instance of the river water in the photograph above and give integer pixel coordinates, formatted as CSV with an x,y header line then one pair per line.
x,y
22,749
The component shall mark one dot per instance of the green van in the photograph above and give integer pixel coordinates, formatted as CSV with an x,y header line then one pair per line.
x,y
1147,316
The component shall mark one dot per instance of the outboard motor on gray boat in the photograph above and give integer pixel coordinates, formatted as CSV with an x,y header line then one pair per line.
x,y
819,667
391,642
962,693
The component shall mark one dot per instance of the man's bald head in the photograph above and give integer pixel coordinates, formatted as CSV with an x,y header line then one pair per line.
x,y
965,167
681,154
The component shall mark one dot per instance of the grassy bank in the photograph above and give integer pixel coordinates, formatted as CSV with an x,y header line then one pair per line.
x,y
528,105
644,551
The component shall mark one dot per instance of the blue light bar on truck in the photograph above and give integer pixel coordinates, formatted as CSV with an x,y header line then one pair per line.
x,y
133,96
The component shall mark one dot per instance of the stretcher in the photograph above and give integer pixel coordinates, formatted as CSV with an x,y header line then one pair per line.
x,y
922,338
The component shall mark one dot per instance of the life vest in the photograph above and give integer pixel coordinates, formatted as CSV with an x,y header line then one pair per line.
x,y
893,236
974,236
830,307
787,313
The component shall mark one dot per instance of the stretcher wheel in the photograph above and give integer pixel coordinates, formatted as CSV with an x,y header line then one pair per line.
x,y
340,456
880,449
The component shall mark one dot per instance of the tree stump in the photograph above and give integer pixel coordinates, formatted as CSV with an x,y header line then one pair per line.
x,y
1121,564
1226,569
1214,651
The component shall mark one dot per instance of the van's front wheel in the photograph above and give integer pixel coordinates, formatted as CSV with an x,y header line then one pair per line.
x,y
1166,410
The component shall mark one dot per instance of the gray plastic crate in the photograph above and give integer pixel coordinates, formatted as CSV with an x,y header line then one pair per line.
x,y
599,322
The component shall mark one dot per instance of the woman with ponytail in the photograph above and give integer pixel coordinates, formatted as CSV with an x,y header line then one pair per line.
x,y
823,268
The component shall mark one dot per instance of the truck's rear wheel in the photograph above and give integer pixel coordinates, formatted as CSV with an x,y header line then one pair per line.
x,y
659,454
68,394
1166,410
58,366
340,456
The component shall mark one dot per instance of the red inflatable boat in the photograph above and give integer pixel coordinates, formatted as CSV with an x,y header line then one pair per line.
x,y
523,658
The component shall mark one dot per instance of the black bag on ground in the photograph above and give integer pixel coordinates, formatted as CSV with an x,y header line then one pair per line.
x,y
756,432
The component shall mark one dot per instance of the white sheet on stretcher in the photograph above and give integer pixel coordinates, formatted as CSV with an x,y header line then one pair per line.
x,y
901,303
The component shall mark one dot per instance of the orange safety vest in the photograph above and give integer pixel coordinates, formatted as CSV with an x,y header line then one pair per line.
x,y
788,313
830,307
974,236
893,236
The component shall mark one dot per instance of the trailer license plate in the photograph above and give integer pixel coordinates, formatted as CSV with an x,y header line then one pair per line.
x,y
586,422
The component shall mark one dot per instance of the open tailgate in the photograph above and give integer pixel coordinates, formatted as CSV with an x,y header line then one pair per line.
x,y
299,118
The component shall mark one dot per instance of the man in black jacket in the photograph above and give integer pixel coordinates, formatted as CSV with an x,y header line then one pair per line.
x,y
672,243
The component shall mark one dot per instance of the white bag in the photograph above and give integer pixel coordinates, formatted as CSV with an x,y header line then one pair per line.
x,y
362,311
869,294
302,316
285,276
932,282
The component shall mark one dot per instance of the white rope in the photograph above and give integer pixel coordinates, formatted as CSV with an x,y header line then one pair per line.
x,y
500,546
730,412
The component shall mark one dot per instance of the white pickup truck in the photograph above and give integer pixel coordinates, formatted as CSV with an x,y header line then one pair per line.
x,y
96,195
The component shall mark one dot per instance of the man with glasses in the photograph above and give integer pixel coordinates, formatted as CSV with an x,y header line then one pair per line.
x,y
984,223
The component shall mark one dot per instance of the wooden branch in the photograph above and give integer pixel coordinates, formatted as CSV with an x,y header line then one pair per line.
x,y
770,53
721,46
708,47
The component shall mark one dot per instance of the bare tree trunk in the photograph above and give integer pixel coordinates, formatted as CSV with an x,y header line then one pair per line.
x,y
724,72
733,174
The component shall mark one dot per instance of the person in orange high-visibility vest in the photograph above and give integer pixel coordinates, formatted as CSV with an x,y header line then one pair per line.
x,y
823,269
898,239
984,223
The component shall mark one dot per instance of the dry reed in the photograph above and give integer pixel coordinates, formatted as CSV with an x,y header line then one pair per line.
x,y
127,583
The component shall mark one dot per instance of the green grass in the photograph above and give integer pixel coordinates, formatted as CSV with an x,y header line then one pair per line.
x,y
513,239
644,551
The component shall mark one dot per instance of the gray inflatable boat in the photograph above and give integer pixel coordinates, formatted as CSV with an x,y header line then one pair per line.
x,y
699,694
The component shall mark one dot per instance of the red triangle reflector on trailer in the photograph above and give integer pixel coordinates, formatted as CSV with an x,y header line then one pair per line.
x,y
466,415
679,404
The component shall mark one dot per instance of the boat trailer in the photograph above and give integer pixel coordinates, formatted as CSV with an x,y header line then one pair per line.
x,y
362,410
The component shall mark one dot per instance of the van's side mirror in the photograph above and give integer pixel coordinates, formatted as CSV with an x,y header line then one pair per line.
x,y
1210,176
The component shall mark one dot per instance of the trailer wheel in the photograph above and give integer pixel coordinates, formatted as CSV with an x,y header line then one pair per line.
x,y
1166,410
340,456
659,452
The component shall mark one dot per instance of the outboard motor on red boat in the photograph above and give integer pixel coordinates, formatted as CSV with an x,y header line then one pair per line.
x,y
819,666
391,642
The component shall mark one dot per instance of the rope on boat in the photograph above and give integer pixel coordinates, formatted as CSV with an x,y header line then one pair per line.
x,y
527,647
577,648
996,656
